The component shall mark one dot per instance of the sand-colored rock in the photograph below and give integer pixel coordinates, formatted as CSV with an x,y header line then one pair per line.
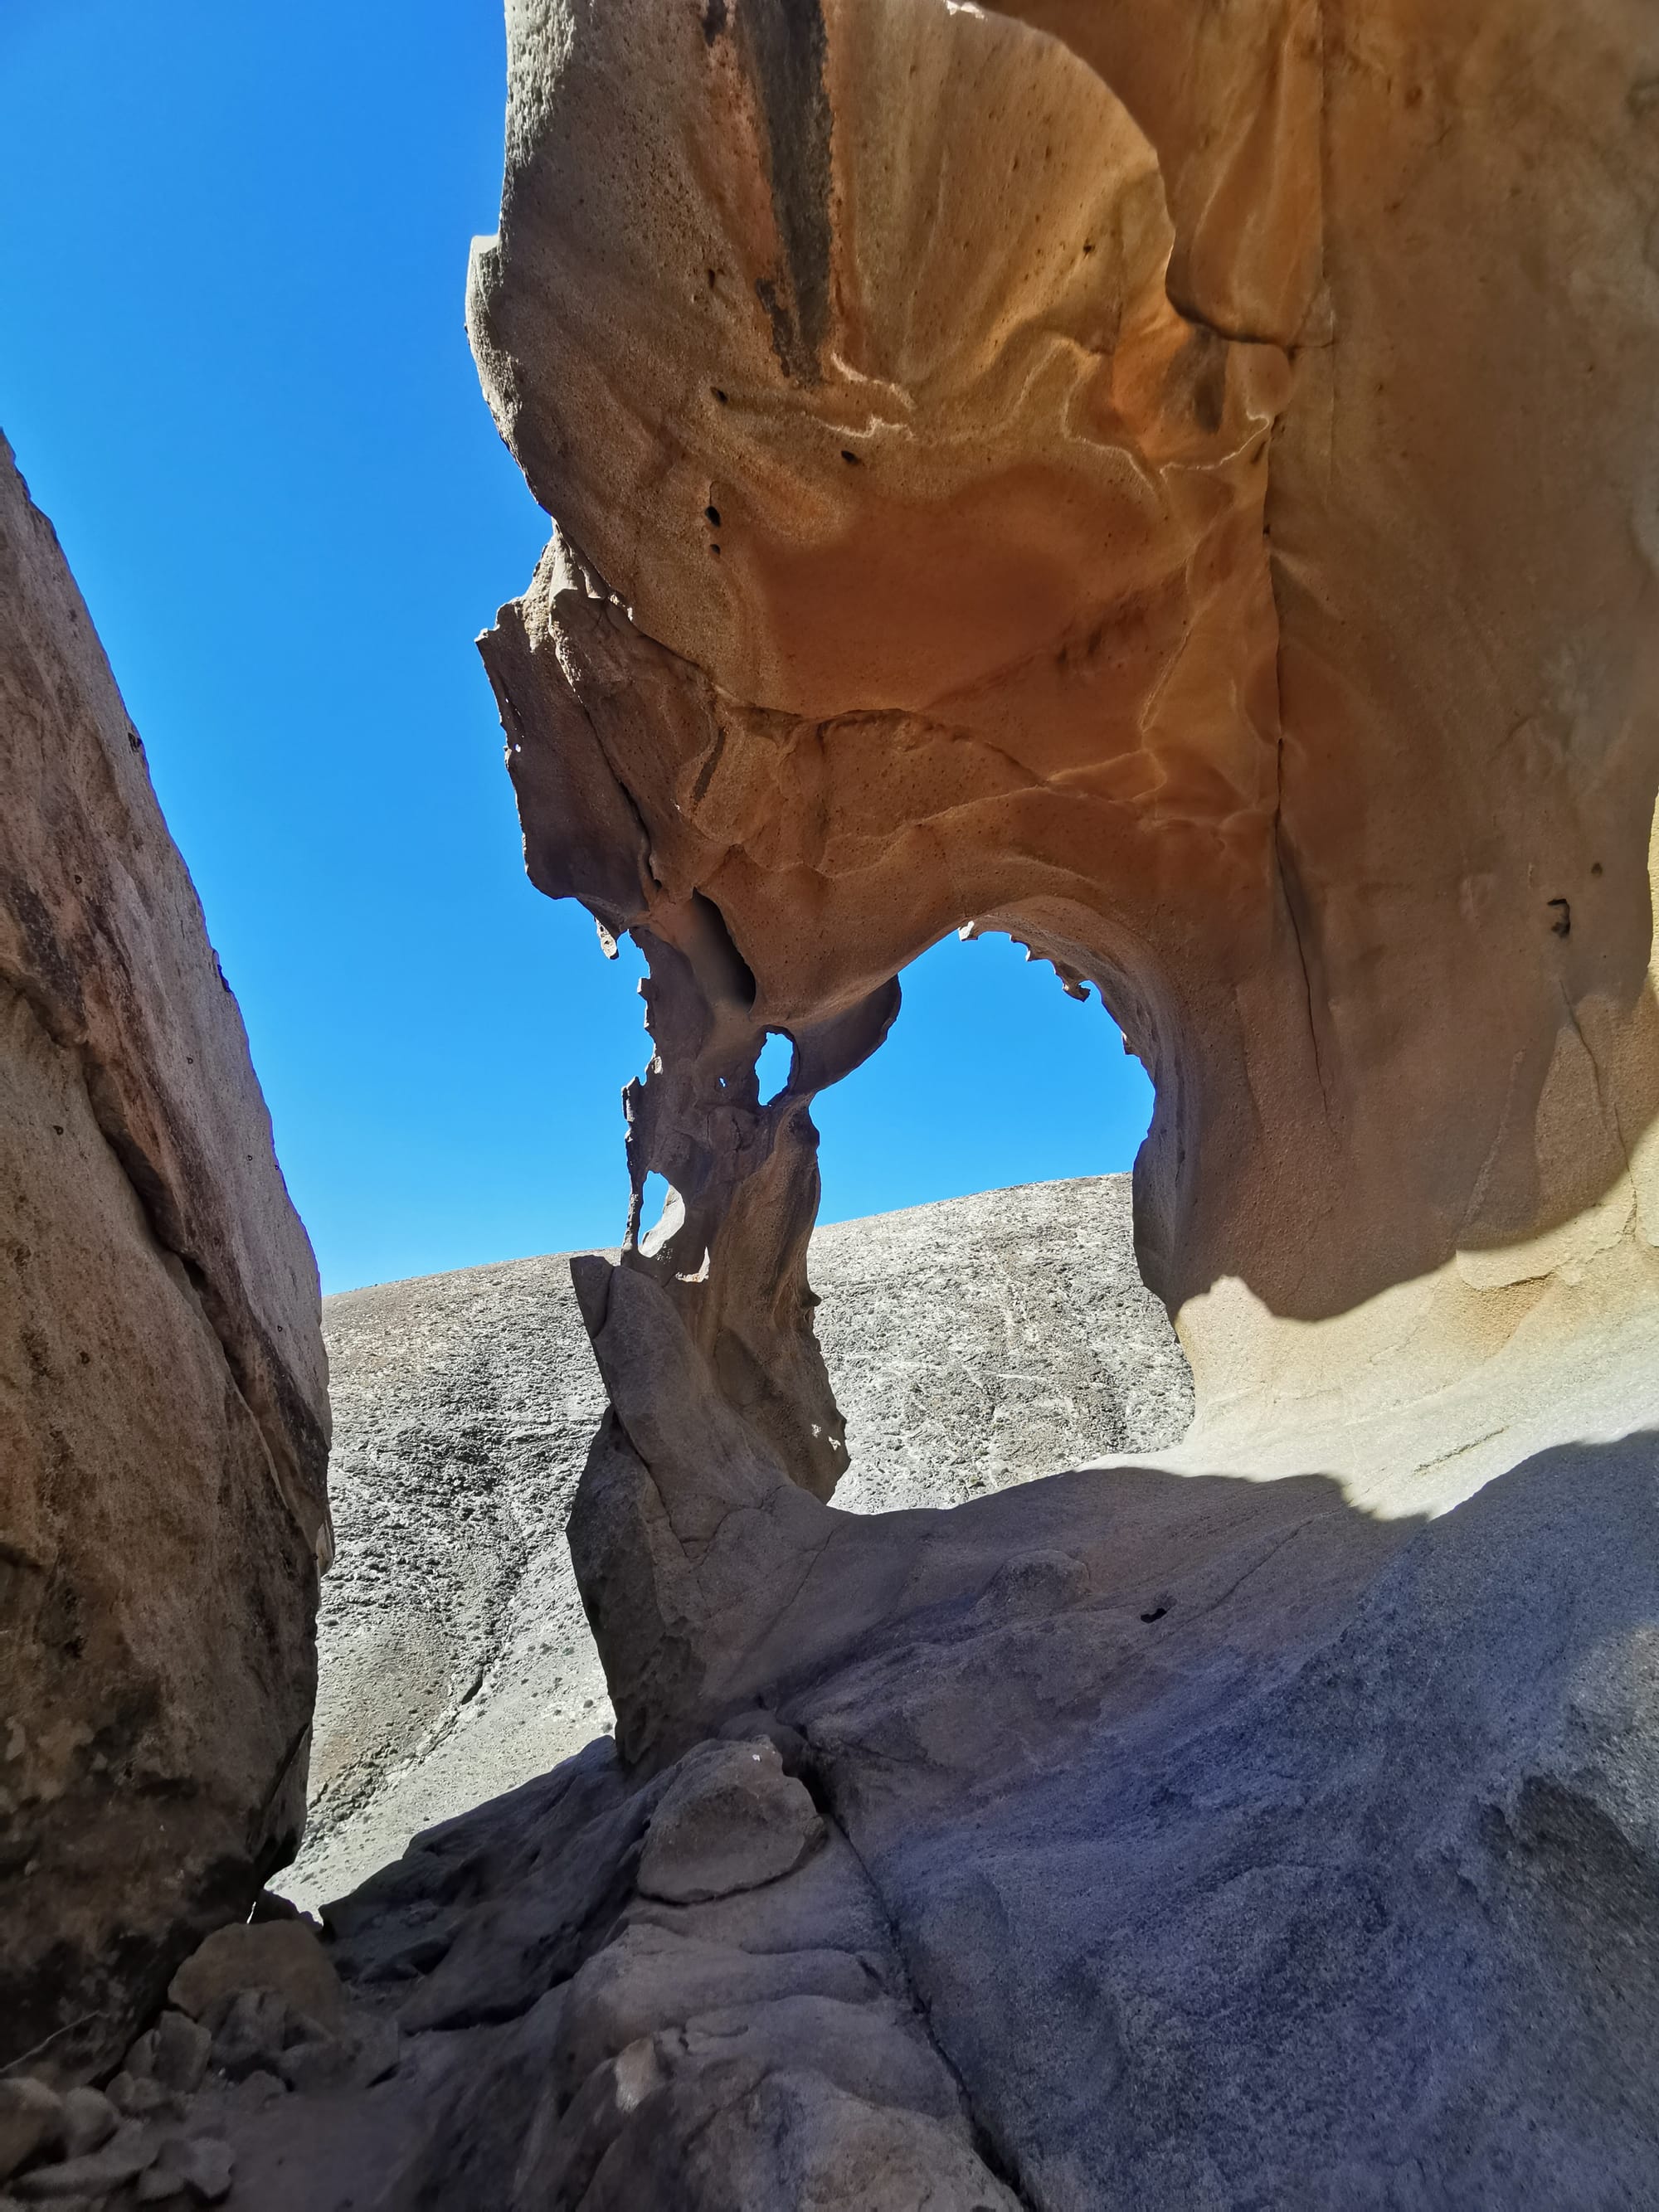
x,y
1067,477
163,1411
1174,483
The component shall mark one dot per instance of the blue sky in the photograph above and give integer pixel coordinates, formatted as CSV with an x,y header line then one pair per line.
x,y
232,245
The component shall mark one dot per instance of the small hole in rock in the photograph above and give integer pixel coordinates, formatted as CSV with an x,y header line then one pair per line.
x,y
719,394
772,1069
653,1199
715,551
851,460
713,514
1157,1613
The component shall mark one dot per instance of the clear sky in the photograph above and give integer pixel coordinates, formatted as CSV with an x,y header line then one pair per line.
x,y
232,246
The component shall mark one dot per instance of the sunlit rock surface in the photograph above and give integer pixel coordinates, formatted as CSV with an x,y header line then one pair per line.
x,y
163,1414
1067,478
1174,484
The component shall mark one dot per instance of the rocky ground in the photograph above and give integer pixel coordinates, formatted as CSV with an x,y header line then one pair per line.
x,y
973,1345
1211,1846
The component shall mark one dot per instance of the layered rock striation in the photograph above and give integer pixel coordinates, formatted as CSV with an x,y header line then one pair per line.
x,y
1175,489
1174,485
163,1406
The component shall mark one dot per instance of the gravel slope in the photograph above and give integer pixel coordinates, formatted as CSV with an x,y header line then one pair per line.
x,y
973,1344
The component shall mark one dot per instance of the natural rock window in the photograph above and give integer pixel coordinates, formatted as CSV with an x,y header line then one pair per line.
x,y
1185,479
1185,613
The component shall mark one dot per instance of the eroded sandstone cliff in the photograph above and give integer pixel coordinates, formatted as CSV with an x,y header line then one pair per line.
x,y
1176,485
163,1406
1174,481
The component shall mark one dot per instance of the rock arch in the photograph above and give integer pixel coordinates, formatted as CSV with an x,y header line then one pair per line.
x,y
1130,482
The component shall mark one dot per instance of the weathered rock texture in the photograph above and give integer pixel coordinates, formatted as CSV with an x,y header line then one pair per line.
x,y
163,1410
974,1344
1208,1843
1179,490
1174,482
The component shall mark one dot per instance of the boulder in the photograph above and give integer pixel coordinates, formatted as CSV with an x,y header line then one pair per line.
x,y
31,2121
733,1820
89,2121
94,2174
198,2168
174,2053
284,1956
251,2029
163,1414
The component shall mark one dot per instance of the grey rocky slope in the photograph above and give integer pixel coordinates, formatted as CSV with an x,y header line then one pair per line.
x,y
973,1344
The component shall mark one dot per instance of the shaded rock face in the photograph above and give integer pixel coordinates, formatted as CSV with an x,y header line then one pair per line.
x,y
163,1410
1209,1844
974,1344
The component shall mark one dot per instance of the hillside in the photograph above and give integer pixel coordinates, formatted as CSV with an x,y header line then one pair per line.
x,y
974,1344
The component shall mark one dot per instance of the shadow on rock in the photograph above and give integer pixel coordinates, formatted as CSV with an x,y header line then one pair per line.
x,y
1217,1845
